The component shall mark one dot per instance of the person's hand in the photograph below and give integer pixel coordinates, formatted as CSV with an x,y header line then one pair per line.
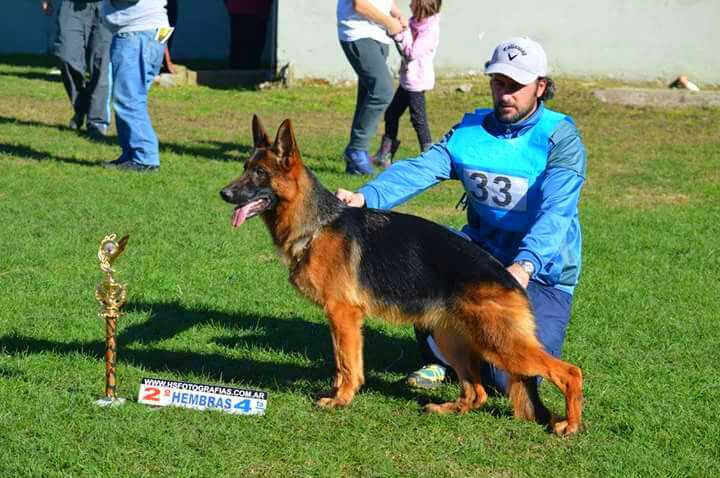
x,y
47,7
519,274
350,198
394,26
403,21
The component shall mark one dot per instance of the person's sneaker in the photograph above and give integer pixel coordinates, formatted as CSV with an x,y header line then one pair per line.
x,y
130,166
357,162
386,152
430,376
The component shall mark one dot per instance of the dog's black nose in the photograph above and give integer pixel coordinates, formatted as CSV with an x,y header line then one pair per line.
x,y
227,194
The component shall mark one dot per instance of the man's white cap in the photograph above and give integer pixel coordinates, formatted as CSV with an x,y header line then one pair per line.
x,y
520,58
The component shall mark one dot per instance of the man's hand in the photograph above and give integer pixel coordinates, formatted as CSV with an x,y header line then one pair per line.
x,y
350,198
403,21
394,26
47,7
519,274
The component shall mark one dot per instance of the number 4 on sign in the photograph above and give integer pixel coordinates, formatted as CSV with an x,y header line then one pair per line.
x,y
243,405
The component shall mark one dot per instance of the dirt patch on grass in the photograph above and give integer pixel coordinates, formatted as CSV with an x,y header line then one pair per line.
x,y
669,98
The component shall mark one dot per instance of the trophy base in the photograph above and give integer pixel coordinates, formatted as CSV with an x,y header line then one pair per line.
x,y
110,402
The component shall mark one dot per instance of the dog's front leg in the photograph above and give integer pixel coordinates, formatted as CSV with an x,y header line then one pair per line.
x,y
345,327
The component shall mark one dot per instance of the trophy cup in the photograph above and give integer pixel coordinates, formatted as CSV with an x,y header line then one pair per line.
x,y
111,296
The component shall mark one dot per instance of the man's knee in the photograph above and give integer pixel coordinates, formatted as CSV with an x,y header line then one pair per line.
x,y
382,92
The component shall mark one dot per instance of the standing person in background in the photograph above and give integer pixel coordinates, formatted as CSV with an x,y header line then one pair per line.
x,y
248,29
140,30
83,48
363,29
417,46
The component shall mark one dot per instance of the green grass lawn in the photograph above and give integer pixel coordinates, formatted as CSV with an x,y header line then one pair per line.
x,y
210,304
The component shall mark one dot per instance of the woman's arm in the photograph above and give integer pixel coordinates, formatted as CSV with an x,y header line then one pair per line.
x,y
369,11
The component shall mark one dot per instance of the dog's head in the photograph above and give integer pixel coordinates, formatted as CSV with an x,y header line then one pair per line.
x,y
270,176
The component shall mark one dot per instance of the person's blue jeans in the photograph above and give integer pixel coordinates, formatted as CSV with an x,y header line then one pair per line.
x,y
136,58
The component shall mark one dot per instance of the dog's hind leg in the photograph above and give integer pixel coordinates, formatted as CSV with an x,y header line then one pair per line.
x,y
523,393
462,358
531,360
345,327
502,328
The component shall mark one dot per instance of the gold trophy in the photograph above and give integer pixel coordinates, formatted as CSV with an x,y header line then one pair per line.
x,y
111,296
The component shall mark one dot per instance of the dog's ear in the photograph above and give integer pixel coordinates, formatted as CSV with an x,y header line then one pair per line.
x,y
286,146
260,136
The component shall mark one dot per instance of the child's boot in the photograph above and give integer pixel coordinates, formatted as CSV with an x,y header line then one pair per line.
x,y
386,152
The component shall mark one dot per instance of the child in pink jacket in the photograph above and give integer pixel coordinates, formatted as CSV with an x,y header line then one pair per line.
x,y
417,45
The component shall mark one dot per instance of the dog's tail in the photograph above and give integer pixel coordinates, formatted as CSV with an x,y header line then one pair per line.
x,y
523,392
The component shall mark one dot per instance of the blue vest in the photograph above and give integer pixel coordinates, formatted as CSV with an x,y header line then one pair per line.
x,y
501,176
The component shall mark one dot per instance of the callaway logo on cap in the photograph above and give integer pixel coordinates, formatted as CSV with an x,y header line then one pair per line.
x,y
520,58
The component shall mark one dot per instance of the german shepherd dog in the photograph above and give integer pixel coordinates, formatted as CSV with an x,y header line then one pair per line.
x,y
355,262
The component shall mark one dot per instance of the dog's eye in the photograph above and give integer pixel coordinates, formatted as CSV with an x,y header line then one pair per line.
x,y
260,173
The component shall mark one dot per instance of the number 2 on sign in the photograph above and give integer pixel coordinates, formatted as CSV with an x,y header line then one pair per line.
x,y
152,394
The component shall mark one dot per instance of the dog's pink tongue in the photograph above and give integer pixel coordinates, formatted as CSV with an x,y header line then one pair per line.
x,y
240,215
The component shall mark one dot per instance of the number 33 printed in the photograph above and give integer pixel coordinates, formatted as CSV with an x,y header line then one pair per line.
x,y
497,190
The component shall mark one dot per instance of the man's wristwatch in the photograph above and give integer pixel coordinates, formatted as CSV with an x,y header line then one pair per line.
x,y
527,266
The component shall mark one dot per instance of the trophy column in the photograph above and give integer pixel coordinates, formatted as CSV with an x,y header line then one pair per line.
x,y
112,296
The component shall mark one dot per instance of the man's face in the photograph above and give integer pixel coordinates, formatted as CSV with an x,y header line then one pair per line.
x,y
513,101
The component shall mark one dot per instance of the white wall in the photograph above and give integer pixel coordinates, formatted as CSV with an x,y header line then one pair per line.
x,y
633,39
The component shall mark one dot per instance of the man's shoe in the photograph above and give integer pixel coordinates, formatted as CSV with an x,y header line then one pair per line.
x,y
130,166
95,133
357,162
76,122
430,376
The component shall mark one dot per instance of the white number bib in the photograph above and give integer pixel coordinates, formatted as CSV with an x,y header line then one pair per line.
x,y
499,191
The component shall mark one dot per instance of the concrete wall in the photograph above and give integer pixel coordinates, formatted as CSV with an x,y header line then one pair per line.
x,y
637,40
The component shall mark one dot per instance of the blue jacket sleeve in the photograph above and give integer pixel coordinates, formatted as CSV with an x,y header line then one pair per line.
x,y
407,178
560,189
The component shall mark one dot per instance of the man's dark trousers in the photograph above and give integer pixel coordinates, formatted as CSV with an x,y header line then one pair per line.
x,y
375,88
83,47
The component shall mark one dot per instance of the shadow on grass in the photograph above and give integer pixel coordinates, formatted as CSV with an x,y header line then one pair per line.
x,y
33,75
29,60
35,124
214,150
137,346
29,153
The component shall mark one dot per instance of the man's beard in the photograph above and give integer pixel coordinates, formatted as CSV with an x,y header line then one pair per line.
x,y
513,117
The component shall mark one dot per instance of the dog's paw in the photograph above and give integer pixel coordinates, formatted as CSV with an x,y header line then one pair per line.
x,y
331,402
562,428
442,408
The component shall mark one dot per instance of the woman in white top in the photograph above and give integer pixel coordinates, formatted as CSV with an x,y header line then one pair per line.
x,y
363,29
